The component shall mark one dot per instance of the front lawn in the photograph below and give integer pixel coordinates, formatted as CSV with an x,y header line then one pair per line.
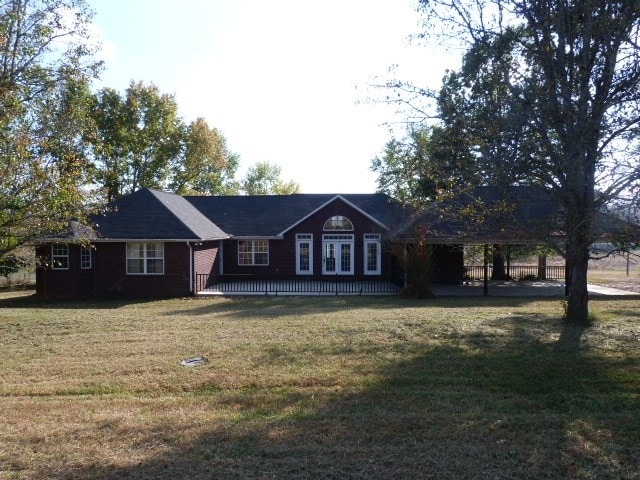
x,y
318,388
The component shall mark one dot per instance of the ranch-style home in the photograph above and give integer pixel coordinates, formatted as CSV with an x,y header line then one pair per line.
x,y
156,243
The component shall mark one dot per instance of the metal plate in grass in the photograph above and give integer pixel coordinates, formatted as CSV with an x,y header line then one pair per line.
x,y
194,362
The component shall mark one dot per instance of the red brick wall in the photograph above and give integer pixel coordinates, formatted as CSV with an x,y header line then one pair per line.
x,y
112,278
206,258
282,253
72,282
108,275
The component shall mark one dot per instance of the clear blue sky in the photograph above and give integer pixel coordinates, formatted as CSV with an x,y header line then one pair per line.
x,y
286,81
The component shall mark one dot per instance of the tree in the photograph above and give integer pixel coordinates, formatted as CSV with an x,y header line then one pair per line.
x,y
567,84
45,66
206,166
429,161
139,138
263,178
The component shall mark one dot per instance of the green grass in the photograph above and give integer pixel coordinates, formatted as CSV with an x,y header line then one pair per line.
x,y
320,388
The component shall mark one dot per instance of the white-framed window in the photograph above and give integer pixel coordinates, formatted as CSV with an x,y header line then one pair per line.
x,y
338,223
337,254
304,254
85,257
145,258
372,254
253,252
60,256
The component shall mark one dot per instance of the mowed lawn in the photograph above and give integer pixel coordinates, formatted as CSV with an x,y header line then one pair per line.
x,y
318,388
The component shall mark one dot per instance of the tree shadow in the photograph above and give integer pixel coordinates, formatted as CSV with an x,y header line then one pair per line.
x,y
282,306
475,406
35,301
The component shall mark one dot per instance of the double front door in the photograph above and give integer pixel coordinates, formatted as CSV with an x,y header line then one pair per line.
x,y
337,254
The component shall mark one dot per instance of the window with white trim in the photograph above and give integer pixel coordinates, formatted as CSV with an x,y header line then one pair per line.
x,y
85,257
338,223
145,258
60,256
304,254
253,252
372,254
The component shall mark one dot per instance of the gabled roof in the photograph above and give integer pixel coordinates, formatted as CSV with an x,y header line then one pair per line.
x,y
272,215
516,214
487,215
150,214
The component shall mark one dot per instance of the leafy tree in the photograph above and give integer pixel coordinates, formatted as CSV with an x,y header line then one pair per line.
x,y
139,138
45,66
428,162
206,166
11,263
401,169
556,87
263,178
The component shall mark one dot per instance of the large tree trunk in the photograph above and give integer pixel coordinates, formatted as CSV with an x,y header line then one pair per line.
x,y
498,272
578,263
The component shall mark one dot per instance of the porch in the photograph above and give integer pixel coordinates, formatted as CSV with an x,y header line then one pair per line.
x,y
548,281
293,285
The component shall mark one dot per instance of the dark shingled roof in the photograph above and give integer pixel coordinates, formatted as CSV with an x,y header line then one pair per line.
x,y
151,214
271,215
487,214
522,214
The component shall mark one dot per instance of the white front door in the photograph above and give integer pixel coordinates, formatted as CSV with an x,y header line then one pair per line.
x,y
337,256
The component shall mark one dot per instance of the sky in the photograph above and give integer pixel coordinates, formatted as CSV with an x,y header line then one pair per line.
x,y
289,82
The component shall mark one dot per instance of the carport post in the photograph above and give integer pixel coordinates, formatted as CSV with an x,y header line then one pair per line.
x,y
486,270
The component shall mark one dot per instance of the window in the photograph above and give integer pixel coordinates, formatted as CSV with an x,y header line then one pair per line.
x,y
253,252
85,258
338,223
372,254
60,256
304,254
145,258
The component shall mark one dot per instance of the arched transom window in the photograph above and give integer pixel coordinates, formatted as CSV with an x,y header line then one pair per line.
x,y
338,223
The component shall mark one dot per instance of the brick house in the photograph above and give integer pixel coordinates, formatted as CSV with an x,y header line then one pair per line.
x,y
157,243
161,244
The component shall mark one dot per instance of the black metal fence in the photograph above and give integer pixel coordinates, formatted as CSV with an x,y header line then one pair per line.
x,y
274,284
519,272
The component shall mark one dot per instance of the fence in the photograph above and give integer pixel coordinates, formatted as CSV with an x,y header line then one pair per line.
x,y
519,272
274,284
18,279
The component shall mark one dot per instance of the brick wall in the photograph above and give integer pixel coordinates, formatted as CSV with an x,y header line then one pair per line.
x,y
282,253
108,275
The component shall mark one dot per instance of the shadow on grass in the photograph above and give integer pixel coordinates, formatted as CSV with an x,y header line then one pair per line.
x,y
272,306
261,305
28,299
521,406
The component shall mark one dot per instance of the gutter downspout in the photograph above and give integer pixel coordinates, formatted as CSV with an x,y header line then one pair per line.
x,y
221,255
191,268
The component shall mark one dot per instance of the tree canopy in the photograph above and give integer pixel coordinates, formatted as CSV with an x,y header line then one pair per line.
x,y
206,166
547,94
139,137
45,66
66,149
263,178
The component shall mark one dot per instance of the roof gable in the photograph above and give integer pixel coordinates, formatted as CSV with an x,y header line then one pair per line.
x,y
274,215
330,201
151,214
